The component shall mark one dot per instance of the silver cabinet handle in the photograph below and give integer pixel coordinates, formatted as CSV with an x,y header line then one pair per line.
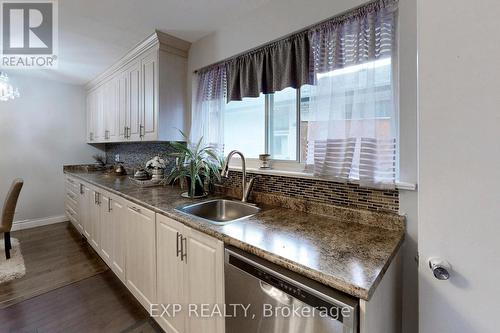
x,y
135,209
128,132
91,136
109,205
440,268
184,249
97,198
141,131
81,188
178,249
71,181
71,196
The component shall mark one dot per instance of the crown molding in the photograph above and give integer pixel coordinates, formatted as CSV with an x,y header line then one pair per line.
x,y
158,39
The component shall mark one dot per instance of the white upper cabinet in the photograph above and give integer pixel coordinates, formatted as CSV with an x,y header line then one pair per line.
x,y
143,96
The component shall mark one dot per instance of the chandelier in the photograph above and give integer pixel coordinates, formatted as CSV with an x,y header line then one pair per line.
x,y
7,91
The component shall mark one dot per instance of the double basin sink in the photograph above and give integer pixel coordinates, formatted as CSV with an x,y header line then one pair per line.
x,y
220,211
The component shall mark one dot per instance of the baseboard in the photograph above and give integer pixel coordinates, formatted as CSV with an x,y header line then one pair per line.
x,y
33,223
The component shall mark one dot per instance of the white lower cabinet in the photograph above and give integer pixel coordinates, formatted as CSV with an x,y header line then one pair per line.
x,y
190,274
105,228
119,237
84,202
141,254
170,271
94,219
161,261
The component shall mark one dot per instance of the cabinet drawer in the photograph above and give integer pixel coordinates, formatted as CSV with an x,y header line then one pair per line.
x,y
72,197
71,214
71,180
72,184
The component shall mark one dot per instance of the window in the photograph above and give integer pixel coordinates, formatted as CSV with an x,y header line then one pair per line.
x,y
266,124
245,126
283,125
352,100
343,126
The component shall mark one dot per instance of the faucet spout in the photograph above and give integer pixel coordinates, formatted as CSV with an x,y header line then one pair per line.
x,y
245,187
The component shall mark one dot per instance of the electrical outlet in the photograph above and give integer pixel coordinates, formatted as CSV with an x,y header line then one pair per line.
x,y
117,158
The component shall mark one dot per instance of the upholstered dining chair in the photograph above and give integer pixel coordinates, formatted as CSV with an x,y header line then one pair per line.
x,y
9,208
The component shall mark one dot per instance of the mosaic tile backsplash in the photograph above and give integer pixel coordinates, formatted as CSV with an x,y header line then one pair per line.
x,y
346,195
135,155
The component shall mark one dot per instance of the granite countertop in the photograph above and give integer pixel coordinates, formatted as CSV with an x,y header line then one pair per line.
x,y
345,255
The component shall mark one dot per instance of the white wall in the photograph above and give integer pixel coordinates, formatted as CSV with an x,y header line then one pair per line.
x,y
39,132
282,17
459,164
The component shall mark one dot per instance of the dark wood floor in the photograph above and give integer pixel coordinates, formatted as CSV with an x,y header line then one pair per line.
x,y
54,256
99,303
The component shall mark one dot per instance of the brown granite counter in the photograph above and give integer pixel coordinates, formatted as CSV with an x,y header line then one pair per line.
x,y
338,252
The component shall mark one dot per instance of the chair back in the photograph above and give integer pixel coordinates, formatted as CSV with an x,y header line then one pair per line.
x,y
9,206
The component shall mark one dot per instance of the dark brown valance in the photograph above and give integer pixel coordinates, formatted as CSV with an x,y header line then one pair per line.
x,y
292,60
282,64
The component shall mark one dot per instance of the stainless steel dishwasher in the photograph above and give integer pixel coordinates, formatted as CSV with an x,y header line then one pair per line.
x,y
266,298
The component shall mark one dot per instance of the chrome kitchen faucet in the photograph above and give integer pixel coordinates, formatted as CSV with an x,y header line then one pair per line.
x,y
246,187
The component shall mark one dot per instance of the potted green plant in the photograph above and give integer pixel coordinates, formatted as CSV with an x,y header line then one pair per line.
x,y
194,164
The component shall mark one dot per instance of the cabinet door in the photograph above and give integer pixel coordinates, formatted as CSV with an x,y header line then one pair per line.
x,y
94,217
141,254
205,279
134,109
84,206
149,72
105,229
98,115
88,113
122,100
91,115
119,237
170,271
111,109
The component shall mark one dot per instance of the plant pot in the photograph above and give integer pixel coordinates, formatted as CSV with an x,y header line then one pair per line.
x,y
199,190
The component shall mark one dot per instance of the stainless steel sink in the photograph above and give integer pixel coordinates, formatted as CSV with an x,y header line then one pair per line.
x,y
220,211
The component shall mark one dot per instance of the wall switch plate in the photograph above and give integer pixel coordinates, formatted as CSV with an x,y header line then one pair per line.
x,y
117,158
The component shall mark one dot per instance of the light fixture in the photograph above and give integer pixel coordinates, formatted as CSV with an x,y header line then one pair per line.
x,y
7,91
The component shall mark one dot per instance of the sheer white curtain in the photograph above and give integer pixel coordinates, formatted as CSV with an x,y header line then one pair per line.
x,y
352,127
208,119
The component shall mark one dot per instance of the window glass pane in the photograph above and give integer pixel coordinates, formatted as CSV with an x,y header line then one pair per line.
x,y
305,117
283,125
244,126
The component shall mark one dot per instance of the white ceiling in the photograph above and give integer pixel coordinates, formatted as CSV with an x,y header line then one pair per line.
x,y
95,33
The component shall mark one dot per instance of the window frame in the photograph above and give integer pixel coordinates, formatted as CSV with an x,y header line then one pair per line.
x,y
297,168
269,104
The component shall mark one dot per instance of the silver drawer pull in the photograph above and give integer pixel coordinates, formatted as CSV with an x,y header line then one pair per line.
x,y
135,209
183,248
179,238
71,196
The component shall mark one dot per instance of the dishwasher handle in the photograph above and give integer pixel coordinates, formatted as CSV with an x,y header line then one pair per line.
x,y
279,279
276,294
